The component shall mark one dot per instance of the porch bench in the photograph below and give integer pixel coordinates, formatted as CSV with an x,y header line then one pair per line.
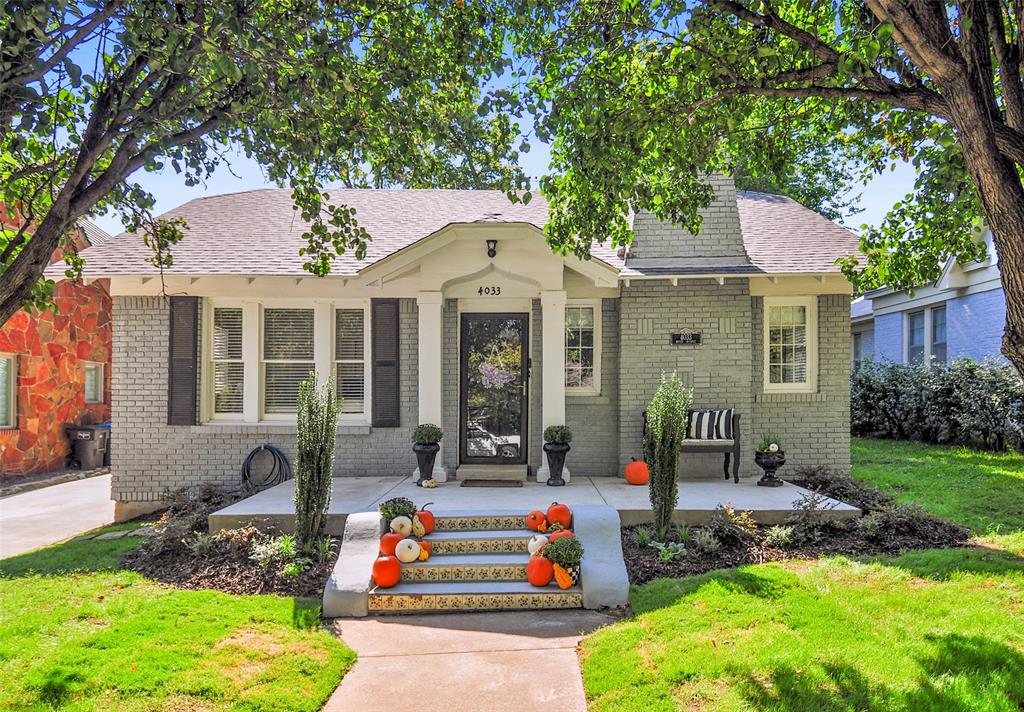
x,y
729,446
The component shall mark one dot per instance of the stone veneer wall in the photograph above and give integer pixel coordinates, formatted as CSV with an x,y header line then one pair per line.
x,y
719,369
814,427
157,457
50,350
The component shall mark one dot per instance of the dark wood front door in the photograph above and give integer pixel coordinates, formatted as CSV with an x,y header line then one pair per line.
x,y
494,370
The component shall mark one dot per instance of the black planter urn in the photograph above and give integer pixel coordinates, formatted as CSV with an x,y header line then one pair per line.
x,y
426,453
769,462
556,461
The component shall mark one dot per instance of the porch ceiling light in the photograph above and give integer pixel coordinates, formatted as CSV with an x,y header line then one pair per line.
x,y
492,248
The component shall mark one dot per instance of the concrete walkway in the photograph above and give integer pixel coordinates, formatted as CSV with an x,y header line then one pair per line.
x,y
453,662
53,514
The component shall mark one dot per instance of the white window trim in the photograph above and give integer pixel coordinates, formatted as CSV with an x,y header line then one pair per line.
x,y
13,390
594,390
103,383
810,303
252,355
929,327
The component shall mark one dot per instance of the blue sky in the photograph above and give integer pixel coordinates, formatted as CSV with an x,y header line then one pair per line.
x,y
170,190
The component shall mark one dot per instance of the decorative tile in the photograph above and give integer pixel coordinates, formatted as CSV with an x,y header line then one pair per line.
x,y
481,522
456,572
488,545
474,601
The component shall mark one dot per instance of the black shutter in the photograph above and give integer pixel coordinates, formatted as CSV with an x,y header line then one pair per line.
x,y
384,323
182,360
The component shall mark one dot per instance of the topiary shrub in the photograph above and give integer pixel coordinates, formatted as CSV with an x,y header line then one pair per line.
x,y
427,434
558,435
666,429
316,428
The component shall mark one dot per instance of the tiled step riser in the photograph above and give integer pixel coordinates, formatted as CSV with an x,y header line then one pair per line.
x,y
444,523
397,603
464,573
469,545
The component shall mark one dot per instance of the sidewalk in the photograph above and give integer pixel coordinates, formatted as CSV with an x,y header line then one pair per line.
x,y
452,662
53,514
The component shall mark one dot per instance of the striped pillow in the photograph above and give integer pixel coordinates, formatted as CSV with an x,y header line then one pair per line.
x,y
702,425
723,426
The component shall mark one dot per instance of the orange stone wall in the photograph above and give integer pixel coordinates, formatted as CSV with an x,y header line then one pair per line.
x,y
51,350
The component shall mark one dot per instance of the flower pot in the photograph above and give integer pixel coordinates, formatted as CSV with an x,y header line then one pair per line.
x,y
426,453
769,462
556,461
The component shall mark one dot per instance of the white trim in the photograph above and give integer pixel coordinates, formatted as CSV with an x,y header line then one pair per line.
x,y
595,390
86,365
810,303
12,424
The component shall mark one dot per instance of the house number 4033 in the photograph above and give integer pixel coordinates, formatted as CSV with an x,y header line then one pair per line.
x,y
489,291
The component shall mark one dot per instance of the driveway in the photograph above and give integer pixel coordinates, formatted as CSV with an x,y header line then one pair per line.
x,y
53,514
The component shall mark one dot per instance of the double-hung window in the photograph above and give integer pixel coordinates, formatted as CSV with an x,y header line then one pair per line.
x,y
350,360
583,348
8,391
926,335
288,357
938,339
790,344
915,337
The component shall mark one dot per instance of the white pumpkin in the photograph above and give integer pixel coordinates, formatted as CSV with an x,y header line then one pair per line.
x,y
537,542
407,550
774,447
401,525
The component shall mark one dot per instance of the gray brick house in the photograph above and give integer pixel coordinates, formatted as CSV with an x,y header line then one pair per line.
x,y
460,315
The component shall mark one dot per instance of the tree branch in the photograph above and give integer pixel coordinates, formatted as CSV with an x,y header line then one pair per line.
x,y
1008,56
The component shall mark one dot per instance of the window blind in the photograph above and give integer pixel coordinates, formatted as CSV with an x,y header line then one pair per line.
x,y
350,359
7,391
228,368
287,356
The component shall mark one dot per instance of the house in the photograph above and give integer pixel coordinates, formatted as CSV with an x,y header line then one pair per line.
x,y
461,315
55,370
961,315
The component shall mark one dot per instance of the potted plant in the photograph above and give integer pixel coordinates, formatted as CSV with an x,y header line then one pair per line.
x,y
556,445
565,555
426,438
770,456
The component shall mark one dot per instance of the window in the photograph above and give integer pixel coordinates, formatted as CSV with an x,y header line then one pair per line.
x,y
790,344
915,337
8,390
228,367
288,357
93,382
582,348
938,339
858,349
350,359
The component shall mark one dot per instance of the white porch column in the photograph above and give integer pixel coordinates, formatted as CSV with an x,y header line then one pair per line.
x,y
429,306
552,314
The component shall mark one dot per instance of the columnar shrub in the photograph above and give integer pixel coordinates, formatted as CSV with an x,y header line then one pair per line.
x,y
666,429
316,420
960,403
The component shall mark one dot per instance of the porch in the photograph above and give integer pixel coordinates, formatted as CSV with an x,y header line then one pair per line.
x,y
697,500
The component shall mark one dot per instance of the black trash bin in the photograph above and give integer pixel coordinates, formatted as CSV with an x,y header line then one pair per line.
x,y
88,445
106,453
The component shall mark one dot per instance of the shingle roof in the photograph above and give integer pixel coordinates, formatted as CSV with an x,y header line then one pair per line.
x,y
94,234
259,232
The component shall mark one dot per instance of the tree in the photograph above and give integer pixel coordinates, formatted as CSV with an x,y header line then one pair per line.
x,y
316,431
663,442
640,99
362,94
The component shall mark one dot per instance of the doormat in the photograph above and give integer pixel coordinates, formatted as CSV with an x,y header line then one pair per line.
x,y
491,483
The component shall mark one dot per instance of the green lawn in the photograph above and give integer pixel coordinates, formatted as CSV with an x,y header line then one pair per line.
x,y
935,630
79,634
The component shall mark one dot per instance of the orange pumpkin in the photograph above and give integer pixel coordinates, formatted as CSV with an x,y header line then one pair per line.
x,y
539,571
637,472
562,577
388,542
426,517
535,521
560,514
562,534
387,570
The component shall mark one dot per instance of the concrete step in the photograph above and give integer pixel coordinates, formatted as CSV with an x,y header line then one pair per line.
x,y
492,472
468,567
467,520
475,595
483,541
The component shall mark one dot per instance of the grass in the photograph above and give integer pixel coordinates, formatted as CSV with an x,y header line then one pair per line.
x,y
929,630
79,634
981,490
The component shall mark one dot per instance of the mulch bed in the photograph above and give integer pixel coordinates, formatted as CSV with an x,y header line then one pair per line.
x,y
226,566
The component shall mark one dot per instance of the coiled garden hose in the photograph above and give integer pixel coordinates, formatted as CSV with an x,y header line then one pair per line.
x,y
278,473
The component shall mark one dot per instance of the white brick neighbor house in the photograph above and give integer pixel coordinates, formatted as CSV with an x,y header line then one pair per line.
x,y
460,315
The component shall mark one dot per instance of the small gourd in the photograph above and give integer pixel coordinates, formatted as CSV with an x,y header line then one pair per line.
x,y
535,521
536,544
401,525
407,551
774,447
386,571
418,529
562,577
424,551
539,571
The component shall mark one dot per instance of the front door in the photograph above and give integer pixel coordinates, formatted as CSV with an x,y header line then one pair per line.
x,y
494,373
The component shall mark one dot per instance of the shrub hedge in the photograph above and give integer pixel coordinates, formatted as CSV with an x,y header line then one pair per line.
x,y
964,402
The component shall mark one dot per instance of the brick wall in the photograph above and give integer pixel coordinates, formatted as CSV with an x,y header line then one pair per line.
x,y
156,456
814,427
974,325
889,337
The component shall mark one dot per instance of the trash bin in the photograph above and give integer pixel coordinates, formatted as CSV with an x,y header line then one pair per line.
x,y
88,445
106,453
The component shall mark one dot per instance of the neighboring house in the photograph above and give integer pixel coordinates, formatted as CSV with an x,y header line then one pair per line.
x,y
55,370
961,315
461,315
